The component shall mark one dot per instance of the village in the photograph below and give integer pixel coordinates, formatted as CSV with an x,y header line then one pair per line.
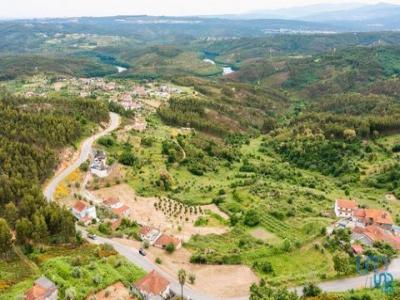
x,y
131,95
367,225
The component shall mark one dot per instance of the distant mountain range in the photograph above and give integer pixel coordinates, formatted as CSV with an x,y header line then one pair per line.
x,y
354,16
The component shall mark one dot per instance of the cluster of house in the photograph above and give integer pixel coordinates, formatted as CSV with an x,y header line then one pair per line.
x,y
98,166
151,287
368,225
85,212
128,103
156,238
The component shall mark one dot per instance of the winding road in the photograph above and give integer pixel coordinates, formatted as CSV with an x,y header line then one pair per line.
x,y
132,254
85,150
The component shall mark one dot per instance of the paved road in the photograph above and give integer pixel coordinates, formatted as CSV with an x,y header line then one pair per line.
x,y
133,256
358,282
85,151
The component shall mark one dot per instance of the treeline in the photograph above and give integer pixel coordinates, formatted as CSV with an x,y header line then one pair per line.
x,y
191,112
13,66
32,133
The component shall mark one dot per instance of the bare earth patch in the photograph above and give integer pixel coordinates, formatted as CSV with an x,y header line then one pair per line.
x,y
262,234
116,291
215,280
144,212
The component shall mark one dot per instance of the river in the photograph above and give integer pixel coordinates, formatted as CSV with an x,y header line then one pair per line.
x,y
225,70
121,69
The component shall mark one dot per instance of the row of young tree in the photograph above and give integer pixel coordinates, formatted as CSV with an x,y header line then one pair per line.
x,y
32,133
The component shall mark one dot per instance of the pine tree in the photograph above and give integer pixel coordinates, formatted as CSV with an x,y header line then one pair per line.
x,y
23,230
11,214
5,237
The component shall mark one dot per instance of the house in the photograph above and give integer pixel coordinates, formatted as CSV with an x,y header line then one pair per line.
x,y
153,286
149,234
84,212
378,217
164,240
43,289
344,208
113,202
357,249
99,164
370,234
122,211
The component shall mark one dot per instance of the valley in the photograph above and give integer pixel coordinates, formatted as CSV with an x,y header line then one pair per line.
x,y
258,158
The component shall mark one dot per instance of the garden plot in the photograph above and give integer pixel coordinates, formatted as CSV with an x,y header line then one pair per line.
x,y
169,216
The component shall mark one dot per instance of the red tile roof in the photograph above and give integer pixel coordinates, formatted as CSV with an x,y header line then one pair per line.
x,y
347,204
164,240
41,290
120,211
80,206
377,234
111,201
145,230
35,293
376,215
153,283
379,216
357,249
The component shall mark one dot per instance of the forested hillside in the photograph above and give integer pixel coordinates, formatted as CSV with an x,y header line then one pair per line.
x,y
33,133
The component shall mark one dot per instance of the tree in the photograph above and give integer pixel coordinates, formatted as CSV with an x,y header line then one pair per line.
x,y
23,230
311,290
11,214
170,248
40,232
263,292
341,263
5,237
182,280
251,218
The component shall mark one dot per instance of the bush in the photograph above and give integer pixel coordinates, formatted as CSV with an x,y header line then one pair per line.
x,y
158,261
127,158
170,248
311,290
251,218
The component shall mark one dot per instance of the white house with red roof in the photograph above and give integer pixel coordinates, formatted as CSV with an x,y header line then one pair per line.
x,y
153,286
149,234
117,207
344,208
84,212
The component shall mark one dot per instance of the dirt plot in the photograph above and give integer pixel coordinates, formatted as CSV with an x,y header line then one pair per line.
x,y
214,280
143,211
116,291
262,234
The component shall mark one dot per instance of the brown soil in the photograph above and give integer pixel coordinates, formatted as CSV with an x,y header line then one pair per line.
x,y
215,280
143,211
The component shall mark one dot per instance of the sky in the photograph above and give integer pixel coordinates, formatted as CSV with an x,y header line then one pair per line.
x,y
75,8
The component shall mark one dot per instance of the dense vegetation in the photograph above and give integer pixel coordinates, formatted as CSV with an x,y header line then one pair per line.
x,y
33,131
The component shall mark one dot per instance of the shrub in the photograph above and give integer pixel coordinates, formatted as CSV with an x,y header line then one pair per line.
x,y
251,218
76,272
192,278
170,248
311,290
